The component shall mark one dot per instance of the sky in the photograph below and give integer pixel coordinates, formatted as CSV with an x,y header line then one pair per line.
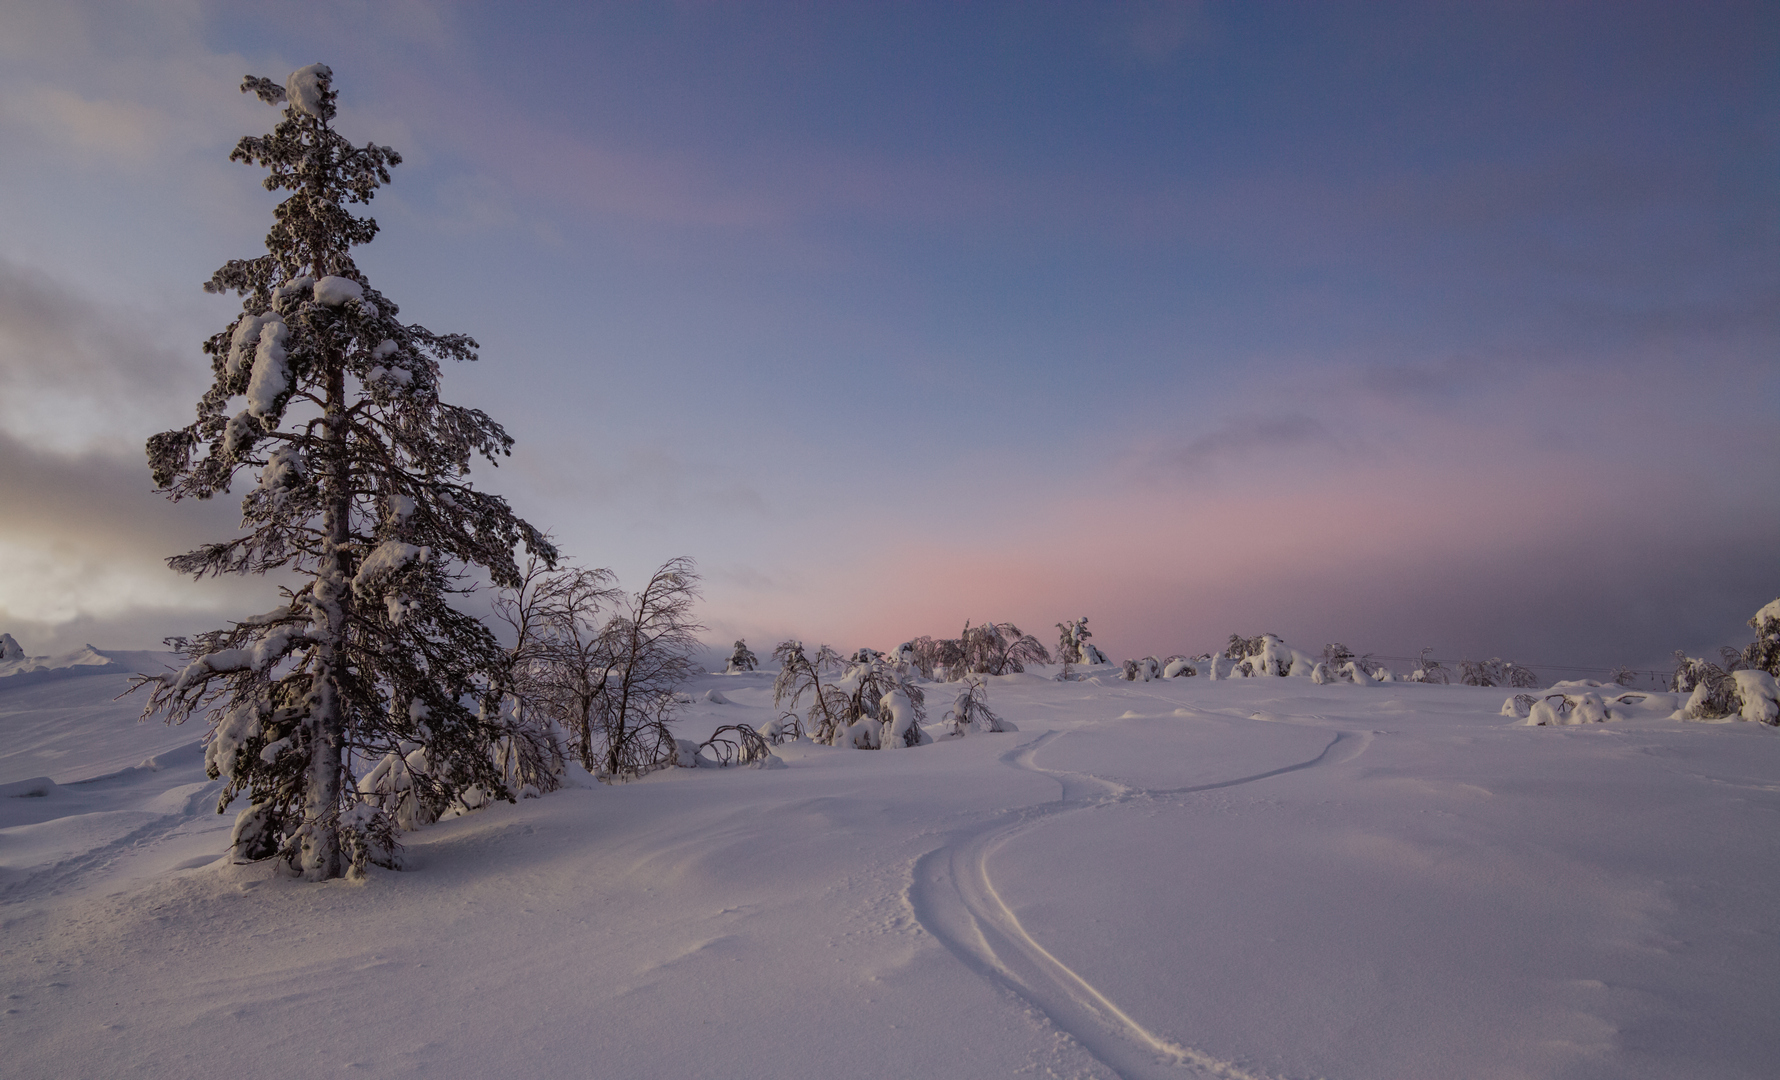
x,y
1402,325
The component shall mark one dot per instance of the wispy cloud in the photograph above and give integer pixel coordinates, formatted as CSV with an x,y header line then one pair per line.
x,y
1255,437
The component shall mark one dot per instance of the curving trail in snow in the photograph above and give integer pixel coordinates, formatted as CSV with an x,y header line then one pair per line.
x,y
953,897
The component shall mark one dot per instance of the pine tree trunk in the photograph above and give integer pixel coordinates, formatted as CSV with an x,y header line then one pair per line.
x,y
333,593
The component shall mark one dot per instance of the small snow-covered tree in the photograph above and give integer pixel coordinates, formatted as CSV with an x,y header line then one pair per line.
x,y
1073,645
742,659
998,649
1496,672
332,405
801,675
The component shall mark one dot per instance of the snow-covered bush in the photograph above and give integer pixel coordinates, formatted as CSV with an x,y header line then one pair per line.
x,y
930,656
970,711
882,709
1179,667
741,659
532,752
333,404
871,705
1712,693
1073,646
1764,652
1585,701
1428,670
1553,710
989,649
10,649
1335,654
1496,672
1353,671
1264,655
1757,697
800,675
1142,670
1518,705
998,649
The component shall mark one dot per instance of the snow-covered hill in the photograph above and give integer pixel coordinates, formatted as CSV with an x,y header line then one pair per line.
x,y
1171,879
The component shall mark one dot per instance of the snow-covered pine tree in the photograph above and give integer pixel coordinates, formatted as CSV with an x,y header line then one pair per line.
x,y
360,491
742,659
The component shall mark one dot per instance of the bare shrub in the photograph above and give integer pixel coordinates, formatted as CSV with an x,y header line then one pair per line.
x,y
650,645
800,676
561,658
737,744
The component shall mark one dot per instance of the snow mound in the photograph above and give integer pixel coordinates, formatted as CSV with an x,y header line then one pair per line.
x,y
1761,698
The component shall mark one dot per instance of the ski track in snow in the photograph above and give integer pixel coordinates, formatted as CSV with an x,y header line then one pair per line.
x,y
953,897
77,870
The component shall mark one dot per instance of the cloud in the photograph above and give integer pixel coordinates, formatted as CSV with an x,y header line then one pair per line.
x,y
83,541
127,129
75,373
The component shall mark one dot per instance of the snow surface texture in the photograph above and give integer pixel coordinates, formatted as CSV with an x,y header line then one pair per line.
x,y
1183,878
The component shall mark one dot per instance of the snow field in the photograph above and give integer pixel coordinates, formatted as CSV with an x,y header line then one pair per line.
x,y
1173,879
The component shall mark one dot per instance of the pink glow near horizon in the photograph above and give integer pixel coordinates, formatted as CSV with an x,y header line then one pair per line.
x,y
1160,571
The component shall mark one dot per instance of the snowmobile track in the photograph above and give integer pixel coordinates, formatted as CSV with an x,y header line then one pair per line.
x,y
954,898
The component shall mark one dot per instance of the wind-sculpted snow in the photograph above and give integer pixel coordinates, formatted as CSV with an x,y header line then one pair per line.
x,y
65,722
1255,878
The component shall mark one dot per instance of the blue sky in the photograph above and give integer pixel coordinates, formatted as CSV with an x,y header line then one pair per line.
x,y
1403,325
